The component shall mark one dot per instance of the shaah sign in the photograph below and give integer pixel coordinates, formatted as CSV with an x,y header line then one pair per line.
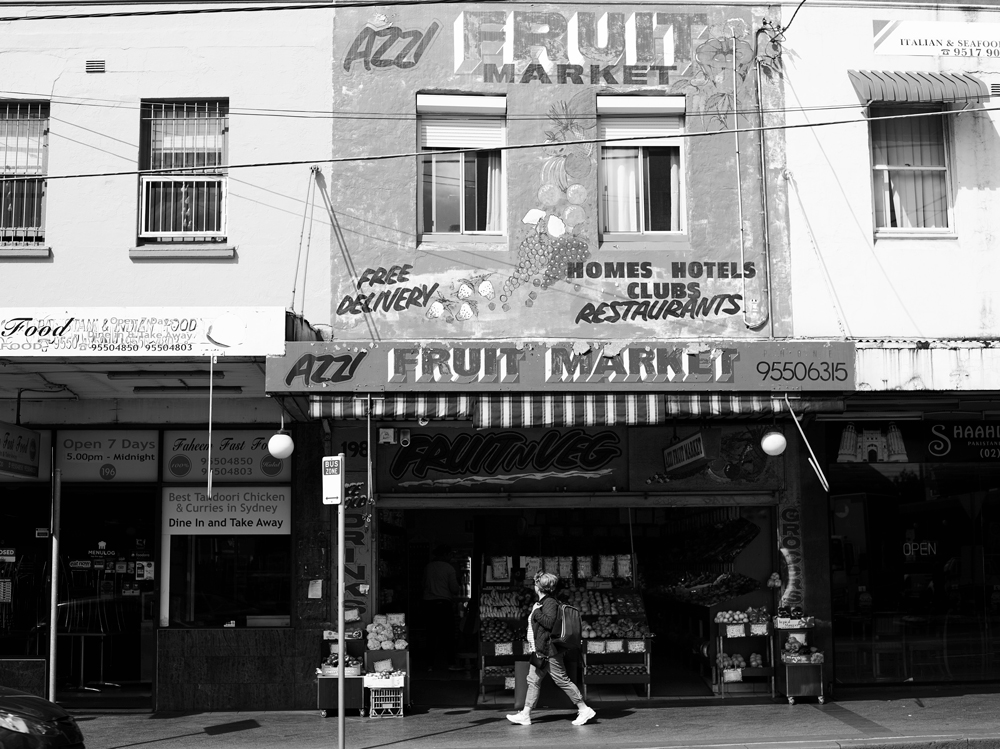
x,y
482,367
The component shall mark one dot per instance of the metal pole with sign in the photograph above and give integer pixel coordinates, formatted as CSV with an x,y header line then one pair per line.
x,y
333,494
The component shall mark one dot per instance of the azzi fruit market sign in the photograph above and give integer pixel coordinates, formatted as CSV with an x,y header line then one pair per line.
x,y
396,366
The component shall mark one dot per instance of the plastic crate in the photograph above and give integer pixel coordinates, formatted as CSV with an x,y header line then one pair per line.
x,y
386,703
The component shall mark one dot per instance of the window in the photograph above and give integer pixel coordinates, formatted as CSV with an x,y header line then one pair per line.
x,y
641,180
909,169
190,204
24,130
463,192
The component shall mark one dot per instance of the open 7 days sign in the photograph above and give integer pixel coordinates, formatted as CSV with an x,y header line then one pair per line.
x,y
478,366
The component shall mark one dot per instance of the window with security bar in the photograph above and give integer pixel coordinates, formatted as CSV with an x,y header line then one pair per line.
x,y
184,146
24,131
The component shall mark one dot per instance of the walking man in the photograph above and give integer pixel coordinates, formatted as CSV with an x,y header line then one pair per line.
x,y
546,657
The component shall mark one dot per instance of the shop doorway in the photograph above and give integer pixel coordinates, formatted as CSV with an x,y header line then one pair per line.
x,y
107,603
689,564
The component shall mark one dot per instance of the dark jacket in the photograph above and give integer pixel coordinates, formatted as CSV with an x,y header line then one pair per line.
x,y
543,621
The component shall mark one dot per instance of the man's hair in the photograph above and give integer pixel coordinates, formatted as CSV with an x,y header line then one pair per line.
x,y
546,581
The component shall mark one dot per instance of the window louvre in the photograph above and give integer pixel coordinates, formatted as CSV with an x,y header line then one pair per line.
x,y
644,130
454,132
24,129
188,138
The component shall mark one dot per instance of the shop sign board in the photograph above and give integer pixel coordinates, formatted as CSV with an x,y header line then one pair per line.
x,y
963,442
108,455
524,460
914,442
238,455
44,474
697,458
137,332
20,451
229,511
478,366
937,39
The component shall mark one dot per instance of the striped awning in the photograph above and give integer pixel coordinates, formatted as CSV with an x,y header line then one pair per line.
x,y
396,407
567,410
917,86
535,410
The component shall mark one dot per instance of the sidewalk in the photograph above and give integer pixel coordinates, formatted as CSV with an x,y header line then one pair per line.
x,y
939,717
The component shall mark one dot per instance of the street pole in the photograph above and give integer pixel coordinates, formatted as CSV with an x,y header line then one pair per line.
x,y
54,577
341,639
334,467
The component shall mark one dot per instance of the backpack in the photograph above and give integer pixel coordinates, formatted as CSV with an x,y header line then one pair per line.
x,y
571,631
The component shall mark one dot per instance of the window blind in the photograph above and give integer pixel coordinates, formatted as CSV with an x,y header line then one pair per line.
x,y
461,132
643,129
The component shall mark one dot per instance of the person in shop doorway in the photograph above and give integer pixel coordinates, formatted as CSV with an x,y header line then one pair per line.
x,y
546,658
441,588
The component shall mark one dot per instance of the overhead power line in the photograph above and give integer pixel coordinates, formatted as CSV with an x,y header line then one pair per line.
x,y
516,147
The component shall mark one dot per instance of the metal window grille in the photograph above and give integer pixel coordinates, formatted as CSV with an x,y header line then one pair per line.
x,y
24,129
189,203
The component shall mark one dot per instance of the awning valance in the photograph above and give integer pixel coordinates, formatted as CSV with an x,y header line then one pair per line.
x,y
917,86
573,409
394,407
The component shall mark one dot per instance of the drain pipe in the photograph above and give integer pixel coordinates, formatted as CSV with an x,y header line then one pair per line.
x,y
763,193
739,172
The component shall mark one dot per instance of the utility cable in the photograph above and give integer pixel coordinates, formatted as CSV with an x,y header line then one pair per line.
x,y
517,147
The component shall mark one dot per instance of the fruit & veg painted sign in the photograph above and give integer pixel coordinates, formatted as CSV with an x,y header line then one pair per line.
x,y
527,459
142,331
238,455
19,451
105,455
394,366
230,511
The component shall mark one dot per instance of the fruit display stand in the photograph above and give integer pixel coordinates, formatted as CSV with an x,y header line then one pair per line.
x,y
617,643
801,674
503,625
328,683
745,630
400,662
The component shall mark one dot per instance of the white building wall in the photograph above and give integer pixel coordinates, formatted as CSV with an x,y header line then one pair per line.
x,y
259,61
844,281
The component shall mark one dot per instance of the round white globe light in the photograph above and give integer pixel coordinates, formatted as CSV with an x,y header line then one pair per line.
x,y
280,445
773,442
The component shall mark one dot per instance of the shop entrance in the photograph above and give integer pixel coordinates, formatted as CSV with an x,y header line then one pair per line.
x,y
107,605
667,572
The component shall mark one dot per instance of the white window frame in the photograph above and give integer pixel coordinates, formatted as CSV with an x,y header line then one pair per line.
x,y
189,178
886,196
453,122
24,160
641,117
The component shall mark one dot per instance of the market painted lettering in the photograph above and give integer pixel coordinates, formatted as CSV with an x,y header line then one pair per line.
x,y
489,453
634,310
460,364
562,364
326,368
397,300
389,47
553,47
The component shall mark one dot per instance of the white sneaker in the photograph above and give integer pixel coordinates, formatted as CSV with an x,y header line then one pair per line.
x,y
522,718
585,714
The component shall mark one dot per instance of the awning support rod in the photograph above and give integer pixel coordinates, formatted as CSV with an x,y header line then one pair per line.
x,y
812,456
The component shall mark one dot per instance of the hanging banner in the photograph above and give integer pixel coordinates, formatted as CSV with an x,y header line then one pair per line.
x,y
230,511
108,455
20,451
238,455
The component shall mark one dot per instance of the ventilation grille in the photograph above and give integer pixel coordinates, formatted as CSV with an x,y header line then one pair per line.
x,y
95,66
995,89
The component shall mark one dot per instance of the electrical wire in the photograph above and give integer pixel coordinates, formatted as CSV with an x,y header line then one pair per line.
x,y
517,147
385,116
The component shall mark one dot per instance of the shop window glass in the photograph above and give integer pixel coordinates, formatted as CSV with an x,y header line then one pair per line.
x,y
914,557
239,581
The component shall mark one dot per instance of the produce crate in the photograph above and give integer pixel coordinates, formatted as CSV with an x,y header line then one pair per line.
x,y
760,628
386,703
596,646
393,682
736,630
732,674
636,646
499,648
